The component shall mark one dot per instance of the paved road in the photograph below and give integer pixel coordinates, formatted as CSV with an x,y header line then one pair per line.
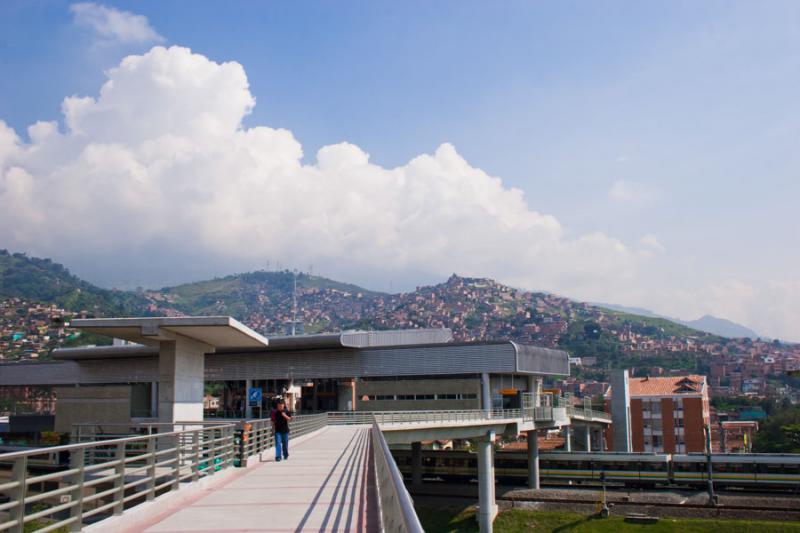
x,y
326,485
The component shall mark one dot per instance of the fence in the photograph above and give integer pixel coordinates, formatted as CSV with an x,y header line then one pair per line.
x,y
256,436
437,416
397,508
102,474
104,477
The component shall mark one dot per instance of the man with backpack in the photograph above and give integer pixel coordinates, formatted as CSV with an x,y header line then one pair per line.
x,y
280,424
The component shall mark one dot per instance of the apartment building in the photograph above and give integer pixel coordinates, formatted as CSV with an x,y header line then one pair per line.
x,y
669,414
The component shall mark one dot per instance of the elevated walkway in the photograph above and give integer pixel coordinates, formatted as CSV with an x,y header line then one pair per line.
x,y
328,484
184,477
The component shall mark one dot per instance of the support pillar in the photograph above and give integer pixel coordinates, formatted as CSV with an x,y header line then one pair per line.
x,y
248,409
487,508
568,438
154,399
533,460
181,372
588,438
486,393
416,464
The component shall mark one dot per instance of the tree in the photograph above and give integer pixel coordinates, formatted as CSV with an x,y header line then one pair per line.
x,y
780,432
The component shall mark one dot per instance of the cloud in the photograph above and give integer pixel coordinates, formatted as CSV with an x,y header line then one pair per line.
x,y
632,192
114,26
158,169
651,243
160,155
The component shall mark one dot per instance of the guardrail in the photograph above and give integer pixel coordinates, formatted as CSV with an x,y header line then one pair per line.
x,y
104,477
588,414
257,436
397,508
464,415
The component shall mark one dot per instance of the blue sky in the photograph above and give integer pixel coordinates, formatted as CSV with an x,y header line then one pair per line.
x,y
672,126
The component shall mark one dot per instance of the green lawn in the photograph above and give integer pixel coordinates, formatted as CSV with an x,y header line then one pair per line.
x,y
447,520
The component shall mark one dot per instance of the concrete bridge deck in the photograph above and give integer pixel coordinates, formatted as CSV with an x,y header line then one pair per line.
x,y
326,485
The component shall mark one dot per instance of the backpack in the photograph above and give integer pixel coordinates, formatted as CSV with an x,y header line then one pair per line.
x,y
273,415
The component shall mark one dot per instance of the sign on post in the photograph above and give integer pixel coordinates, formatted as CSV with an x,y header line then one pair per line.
x,y
254,396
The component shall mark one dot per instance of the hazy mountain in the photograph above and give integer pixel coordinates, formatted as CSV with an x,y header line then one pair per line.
x,y
721,326
707,323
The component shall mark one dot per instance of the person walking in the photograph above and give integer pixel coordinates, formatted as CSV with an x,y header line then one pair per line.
x,y
280,424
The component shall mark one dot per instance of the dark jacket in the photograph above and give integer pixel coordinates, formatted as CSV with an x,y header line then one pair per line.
x,y
281,424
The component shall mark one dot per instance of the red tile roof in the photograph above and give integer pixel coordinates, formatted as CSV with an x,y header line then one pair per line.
x,y
666,386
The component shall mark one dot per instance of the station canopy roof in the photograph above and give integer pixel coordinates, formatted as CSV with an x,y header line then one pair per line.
x,y
227,335
217,331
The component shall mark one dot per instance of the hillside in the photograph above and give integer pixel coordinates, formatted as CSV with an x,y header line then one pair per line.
x,y
474,308
42,280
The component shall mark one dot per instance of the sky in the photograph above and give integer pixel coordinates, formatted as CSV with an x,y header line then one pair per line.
x,y
634,153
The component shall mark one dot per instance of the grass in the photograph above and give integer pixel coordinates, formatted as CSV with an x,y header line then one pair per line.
x,y
450,520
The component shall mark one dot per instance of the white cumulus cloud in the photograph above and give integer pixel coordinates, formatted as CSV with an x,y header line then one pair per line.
x,y
112,25
158,168
161,156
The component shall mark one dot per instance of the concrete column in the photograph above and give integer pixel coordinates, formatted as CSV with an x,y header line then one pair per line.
x,y
620,412
486,392
533,460
602,439
181,369
154,399
487,508
588,438
568,438
416,463
248,409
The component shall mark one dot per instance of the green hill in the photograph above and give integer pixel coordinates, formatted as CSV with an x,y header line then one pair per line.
x,y
43,280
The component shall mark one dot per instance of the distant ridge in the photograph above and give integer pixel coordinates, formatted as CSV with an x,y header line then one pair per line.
x,y
472,308
707,323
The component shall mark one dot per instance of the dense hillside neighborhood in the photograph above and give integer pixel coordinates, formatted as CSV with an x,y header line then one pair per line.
x,y
39,296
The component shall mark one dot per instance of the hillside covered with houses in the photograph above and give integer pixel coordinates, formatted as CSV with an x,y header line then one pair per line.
x,y
32,323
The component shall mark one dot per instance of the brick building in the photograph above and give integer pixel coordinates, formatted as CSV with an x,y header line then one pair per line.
x,y
669,414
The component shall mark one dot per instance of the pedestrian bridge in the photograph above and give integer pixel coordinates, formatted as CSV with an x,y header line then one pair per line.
x,y
222,475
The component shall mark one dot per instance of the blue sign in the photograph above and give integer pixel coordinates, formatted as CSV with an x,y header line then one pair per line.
x,y
254,396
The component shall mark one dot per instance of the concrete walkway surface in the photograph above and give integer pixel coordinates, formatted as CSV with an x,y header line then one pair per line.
x,y
326,485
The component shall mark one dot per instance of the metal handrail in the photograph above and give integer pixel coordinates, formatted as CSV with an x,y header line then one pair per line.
x,y
257,436
397,508
106,476
543,413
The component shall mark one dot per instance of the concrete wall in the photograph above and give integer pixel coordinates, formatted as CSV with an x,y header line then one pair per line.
x,y
417,386
93,404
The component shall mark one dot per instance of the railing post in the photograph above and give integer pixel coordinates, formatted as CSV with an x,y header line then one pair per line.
x,y
150,462
195,461
176,466
18,474
119,481
77,461
212,452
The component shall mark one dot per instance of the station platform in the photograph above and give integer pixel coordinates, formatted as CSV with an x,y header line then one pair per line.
x,y
327,484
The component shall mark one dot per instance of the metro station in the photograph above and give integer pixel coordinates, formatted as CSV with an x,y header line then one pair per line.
x,y
408,386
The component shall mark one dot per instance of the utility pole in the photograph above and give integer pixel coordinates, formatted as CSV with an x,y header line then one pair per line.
x,y
294,305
